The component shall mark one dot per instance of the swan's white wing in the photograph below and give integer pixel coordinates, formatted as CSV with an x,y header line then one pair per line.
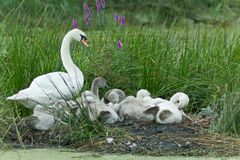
x,y
46,90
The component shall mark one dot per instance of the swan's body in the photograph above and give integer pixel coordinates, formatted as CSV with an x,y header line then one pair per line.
x,y
48,88
43,116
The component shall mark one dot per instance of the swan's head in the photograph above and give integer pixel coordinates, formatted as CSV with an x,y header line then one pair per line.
x,y
180,99
80,36
142,93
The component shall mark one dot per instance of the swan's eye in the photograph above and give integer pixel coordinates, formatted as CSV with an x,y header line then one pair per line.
x,y
83,37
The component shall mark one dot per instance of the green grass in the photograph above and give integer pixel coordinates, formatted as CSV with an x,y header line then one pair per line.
x,y
200,60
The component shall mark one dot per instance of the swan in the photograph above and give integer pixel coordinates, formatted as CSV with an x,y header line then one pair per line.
x,y
48,88
43,117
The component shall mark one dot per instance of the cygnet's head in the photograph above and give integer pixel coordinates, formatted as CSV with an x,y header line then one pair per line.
x,y
142,93
100,82
117,96
180,99
79,35
113,97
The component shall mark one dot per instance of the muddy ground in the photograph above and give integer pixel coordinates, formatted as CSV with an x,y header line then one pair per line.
x,y
190,138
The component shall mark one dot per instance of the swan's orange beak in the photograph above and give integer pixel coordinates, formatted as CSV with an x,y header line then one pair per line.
x,y
84,42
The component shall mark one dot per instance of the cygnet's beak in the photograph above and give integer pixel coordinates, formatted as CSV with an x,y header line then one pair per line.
x,y
107,86
84,42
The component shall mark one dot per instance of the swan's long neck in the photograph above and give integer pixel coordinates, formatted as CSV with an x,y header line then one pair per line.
x,y
74,72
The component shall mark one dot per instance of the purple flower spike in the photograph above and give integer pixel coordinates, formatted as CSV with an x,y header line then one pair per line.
x,y
103,3
86,9
116,17
98,6
123,21
119,44
86,20
75,23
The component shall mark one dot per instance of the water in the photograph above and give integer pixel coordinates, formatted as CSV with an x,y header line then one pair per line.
x,y
60,154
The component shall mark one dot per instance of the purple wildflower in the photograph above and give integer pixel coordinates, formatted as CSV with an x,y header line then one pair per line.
x,y
123,21
98,6
75,23
103,3
119,44
86,19
86,9
116,17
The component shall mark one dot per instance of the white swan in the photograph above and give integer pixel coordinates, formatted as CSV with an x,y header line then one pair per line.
x,y
43,117
48,88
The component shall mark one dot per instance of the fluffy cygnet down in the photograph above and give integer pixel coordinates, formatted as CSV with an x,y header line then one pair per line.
x,y
133,108
41,119
145,96
180,99
168,113
112,98
97,109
